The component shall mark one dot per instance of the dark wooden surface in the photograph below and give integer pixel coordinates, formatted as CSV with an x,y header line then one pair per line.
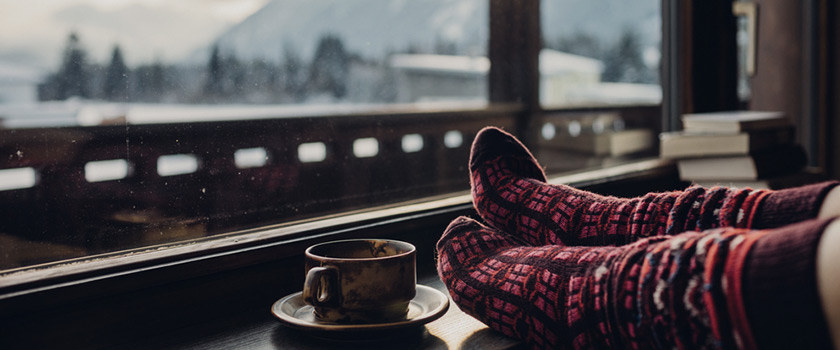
x,y
258,329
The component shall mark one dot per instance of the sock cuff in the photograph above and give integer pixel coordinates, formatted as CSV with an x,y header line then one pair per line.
x,y
782,207
780,288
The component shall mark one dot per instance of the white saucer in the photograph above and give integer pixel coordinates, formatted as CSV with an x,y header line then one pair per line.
x,y
428,305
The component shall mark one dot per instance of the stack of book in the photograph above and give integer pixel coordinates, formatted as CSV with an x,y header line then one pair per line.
x,y
738,148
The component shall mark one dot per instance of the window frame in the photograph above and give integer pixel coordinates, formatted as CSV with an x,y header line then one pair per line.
x,y
513,87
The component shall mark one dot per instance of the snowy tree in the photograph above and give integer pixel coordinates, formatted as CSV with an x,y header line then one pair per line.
x,y
294,73
261,84
445,47
151,82
624,63
214,84
72,78
330,67
116,78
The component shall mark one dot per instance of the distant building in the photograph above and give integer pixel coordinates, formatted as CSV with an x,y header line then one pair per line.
x,y
18,83
566,79
440,77
562,73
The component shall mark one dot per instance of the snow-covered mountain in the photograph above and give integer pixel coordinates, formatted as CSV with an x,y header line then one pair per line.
x,y
35,32
373,28
369,28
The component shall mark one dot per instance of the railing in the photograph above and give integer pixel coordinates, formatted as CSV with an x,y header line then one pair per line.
x,y
106,188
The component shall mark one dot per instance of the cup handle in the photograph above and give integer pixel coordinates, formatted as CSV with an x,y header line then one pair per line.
x,y
321,286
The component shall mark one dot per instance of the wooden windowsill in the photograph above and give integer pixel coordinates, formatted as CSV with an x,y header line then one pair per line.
x,y
259,330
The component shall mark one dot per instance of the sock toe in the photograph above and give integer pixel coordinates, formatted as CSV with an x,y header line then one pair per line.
x,y
466,240
491,143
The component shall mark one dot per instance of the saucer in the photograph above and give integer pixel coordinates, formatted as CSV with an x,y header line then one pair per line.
x,y
428,305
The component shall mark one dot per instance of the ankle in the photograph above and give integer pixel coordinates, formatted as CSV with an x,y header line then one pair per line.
x,y
784,207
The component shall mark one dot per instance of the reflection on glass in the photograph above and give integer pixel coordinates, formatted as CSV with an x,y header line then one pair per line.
x,y
600,52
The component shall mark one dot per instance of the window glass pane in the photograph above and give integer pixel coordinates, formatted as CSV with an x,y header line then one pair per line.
x,y
600,52
133,123
86,55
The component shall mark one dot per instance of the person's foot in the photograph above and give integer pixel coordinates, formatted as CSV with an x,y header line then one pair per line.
x,y
721,288
510,193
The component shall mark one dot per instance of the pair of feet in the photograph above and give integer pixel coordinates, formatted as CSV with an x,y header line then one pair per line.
x,y
558,266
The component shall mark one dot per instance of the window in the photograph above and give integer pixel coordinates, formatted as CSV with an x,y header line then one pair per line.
x,y
600,52
122,135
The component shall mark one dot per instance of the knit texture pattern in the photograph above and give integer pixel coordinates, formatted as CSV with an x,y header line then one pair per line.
x,y
796,204
680,291
780,289
510,193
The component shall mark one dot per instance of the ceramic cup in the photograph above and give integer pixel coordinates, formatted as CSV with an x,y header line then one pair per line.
x,y
360,280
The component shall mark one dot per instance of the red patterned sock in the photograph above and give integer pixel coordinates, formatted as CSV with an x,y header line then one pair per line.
x,y
682,291
510,192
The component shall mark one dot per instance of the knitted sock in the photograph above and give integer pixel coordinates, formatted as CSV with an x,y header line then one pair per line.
x,y
686,291
510,192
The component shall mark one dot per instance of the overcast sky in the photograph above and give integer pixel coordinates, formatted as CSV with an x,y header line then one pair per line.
x,y
36,31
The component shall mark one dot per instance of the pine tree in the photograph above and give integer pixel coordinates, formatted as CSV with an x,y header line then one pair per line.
x,y
214,85
150,82
624,62
234,77
116,78
157,81
73,78
330,66
294,73
445,47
